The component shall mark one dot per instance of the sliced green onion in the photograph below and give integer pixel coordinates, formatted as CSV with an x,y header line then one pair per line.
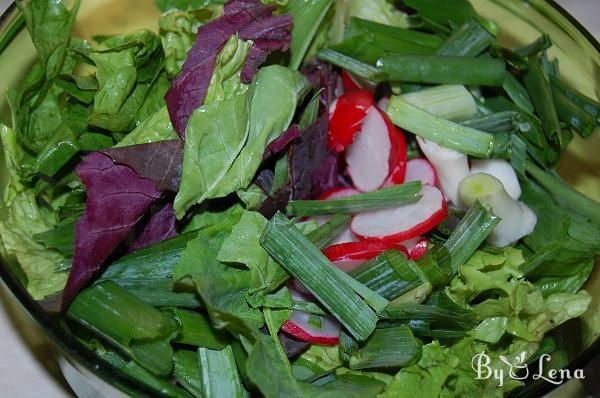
x,y
352,65
499,122
388,348
437,69
564,194
138,329
288,246
327,232
538,86
469,234
219,374
186,371
159,292
436,266
452,102
589,105
390,274
59,238
388,35
380,199
517,93
197,330
470,40
573,115
541,44
444,132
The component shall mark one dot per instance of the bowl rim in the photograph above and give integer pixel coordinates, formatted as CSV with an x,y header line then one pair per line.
x,y
55,327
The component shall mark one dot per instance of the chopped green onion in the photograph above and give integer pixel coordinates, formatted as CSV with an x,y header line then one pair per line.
x,y
352,65
517,93
499,122
288,246
138,329
538,86
444,132
197,330
219,374
573,115
390,274
589,105
564,194
469,234
470,40
186,371
159,292
541,44
327,232
452,102
388,348
436,266
59,238
380,199
437,69
387,35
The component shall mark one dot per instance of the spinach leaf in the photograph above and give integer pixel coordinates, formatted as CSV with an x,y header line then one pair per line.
x,y
156,127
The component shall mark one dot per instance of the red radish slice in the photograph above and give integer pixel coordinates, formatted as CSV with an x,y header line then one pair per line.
x,y
348,256
338,193
397,161
420,169
299,327
368,158
416,247
403,222
346,116
350,84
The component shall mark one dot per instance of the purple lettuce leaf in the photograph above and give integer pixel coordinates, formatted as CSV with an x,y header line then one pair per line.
x,y
160,226
158,161
322,76
281,143
117,199
252,21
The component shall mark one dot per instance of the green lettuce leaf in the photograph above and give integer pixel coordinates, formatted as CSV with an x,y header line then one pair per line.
x,y
157,127
308,16
225,140
243,247
34,264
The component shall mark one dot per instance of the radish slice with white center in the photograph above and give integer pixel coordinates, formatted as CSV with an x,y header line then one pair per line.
x,y
348,256
420,169
419,249
404,222
502,170
368,157
450,166
350,84
302,328
346,117
397,161
338,193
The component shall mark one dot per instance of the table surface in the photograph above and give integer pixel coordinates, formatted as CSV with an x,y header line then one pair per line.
x,y
28,370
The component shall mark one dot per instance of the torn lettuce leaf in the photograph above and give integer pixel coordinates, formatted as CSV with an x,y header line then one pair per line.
x,y
243,247
33,264
157,127
226,140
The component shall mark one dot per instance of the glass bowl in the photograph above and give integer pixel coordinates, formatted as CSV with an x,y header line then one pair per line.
x,y
519,22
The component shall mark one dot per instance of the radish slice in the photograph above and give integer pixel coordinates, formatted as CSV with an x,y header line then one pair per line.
x,y
420,170
502,170
397,161
450,166
419,249
404,222
346,116
350,84
300,327
337,193
348,256
368,158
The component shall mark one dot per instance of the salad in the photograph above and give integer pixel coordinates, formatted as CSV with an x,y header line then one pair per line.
x,y
299,198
